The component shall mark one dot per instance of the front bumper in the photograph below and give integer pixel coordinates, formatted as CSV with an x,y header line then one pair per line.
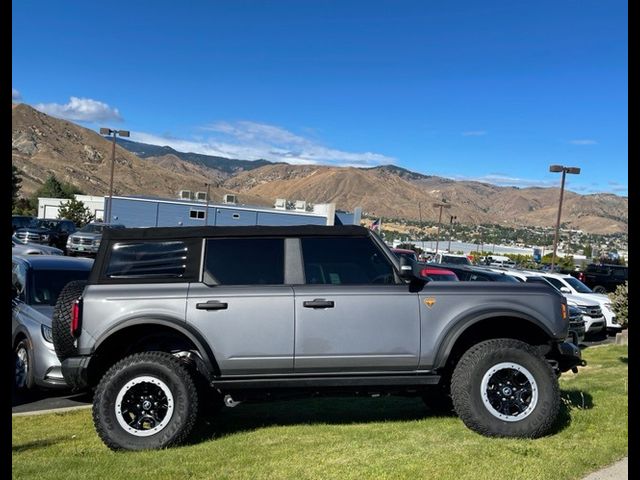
x,y
566,356
76,248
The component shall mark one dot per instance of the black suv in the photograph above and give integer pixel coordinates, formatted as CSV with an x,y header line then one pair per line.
x,y
47,232
603,278
20,221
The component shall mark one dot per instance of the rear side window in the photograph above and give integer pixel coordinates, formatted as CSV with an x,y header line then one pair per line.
x,y
244,261
345,261
148,260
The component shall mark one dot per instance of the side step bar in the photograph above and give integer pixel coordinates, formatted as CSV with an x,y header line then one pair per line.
x,y
312,382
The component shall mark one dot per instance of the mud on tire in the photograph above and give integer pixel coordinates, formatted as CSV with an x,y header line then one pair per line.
x,y
145,401
505,388
63,342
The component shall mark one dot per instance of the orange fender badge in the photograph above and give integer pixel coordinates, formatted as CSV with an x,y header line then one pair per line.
x,y
429,301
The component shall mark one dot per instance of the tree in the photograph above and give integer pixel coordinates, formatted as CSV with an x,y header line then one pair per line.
x,y
16,180
75,211
620,304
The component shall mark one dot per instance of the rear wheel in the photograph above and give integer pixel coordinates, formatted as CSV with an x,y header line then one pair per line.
x,y
599,289
504,388
146,401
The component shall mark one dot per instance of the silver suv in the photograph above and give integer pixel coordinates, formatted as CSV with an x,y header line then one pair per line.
x,y
174,321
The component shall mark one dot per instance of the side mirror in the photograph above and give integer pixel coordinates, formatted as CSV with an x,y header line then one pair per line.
x,y
565,289
409,269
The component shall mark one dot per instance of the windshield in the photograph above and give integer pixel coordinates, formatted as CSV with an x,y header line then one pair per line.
x,y
577,285
47,284
92,228
42,223
455,260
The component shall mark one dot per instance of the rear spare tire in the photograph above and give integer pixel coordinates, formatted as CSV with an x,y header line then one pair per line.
x,y
63,342
505,388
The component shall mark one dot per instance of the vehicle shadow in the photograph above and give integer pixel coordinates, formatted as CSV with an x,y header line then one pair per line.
x,y
571,400
325,410
36,444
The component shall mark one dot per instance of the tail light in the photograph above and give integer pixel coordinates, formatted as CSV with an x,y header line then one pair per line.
x,y
581,276
76,318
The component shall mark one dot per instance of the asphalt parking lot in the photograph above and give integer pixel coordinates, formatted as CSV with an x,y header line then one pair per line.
x,y
51,400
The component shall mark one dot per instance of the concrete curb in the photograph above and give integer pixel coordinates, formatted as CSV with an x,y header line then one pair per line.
x,y
52,410
617,471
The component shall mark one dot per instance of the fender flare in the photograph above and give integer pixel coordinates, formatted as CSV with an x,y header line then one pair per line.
x,y
179,326
457,328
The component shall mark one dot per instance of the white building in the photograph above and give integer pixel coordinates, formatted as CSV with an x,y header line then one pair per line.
x,y
48,207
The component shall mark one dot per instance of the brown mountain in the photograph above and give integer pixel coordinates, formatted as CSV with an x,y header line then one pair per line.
x,y
43,145
389,191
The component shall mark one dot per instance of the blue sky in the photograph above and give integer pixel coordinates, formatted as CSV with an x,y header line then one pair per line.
x,y
493,90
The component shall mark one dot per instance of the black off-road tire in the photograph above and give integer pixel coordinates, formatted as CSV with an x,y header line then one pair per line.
x,y
63,342
599,289
491,361
158,377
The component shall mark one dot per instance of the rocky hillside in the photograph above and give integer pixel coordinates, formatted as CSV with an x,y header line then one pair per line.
x,y
43,145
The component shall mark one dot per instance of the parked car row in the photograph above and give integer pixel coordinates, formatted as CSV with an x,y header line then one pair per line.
x,y
36,284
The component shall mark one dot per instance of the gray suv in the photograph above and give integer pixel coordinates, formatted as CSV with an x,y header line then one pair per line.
x,y
177,321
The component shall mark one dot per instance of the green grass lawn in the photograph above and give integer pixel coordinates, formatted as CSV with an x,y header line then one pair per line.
x,y
348,438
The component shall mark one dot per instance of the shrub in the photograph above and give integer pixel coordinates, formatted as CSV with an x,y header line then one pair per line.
x,y
620,304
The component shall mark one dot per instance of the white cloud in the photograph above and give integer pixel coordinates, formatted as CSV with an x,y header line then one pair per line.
x,y
474,133
583,141
253,141
15,95
81,109
507,181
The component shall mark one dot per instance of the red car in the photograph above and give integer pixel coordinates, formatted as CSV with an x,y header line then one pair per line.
x,y
439,274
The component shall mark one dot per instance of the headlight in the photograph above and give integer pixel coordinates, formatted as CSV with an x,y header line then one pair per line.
x,y
96,242
68,241
47,333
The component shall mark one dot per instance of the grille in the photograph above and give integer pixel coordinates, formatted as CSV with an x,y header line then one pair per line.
x,y
28,237
81,241
592,311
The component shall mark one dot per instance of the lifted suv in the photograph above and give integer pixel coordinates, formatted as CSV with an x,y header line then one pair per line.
x,y
175,321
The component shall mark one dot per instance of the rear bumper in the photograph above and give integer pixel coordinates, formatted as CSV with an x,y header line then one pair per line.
x,y
75,371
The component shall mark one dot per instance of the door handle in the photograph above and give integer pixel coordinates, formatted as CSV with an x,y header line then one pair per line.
x,y
318,303
212,305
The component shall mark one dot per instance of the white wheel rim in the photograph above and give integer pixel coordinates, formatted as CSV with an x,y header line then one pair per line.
x,y
509,391
144,406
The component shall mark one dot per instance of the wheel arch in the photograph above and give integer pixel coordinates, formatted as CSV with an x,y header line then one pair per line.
x,y
163,333
476,328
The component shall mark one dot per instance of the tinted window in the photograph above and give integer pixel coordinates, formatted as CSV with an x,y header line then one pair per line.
x,y
455,260
245,261
555,282
148,260
18,279
577,285
47,284
345,261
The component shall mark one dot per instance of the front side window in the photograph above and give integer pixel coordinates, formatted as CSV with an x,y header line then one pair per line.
x,y
577,285
153,259
345,261
244,261
555,282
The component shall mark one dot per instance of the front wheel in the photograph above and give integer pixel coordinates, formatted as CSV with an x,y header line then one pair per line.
x,y
23,366
599,289
146,401
505,388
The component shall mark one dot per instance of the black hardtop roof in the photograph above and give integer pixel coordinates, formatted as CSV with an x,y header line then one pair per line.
x,y
176,233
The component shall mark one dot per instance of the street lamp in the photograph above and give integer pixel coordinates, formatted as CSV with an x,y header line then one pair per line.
x,y
564,170
206,212
441,205
451,220
122,133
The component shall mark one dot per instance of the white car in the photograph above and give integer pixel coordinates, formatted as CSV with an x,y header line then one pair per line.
x,y
18,247
573,286
592,311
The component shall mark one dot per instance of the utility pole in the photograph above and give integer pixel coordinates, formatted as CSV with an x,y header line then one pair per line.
x,y
440,205
451,219
564,170
206,212
122,133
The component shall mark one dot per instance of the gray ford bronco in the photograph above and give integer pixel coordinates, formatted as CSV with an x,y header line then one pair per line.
x,y
176,322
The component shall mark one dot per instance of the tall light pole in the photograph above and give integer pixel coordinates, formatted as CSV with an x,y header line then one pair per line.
x,y
451,220
206,212
441,205
122,133
564,170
